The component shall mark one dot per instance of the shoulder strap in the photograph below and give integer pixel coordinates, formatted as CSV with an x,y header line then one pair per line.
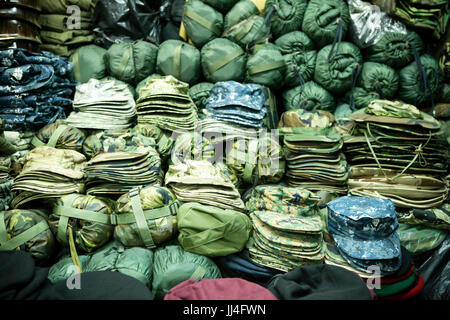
x,y
151,214
220,63
202,21
266,67
141,222
55,136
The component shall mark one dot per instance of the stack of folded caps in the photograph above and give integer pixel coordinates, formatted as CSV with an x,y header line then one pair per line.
x,y
49,173
219,131
21,143
103,104
35,89
165,102
202,182
364,231
65,27
116,173
397,152
241,104
287,228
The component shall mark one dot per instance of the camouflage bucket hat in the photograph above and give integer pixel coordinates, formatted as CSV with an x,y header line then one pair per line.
x,y
302,118
232,93
193,147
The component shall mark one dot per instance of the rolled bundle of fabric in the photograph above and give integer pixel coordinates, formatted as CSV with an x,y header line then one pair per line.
x,y
249,31
223,60
200,95
89,62
191,146
241,11
221,5
61,136
285,15
324,19
309,97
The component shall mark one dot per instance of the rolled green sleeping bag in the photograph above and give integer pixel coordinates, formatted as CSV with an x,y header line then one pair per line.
x,y
287,15
89,63
223,60
179,59
361,97
411,87
241,11
249,30
321,20
132,62
202,22
295,41
312,97
221,5
266,67
394,49
336,72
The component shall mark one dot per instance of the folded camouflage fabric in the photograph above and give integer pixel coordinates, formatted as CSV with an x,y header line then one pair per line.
x,y
59,135
165,103
134,262
172,265
28,231
192,146
286,17
146,217
88,217
211,231
202,22
200,95
298,52
324,19
333,257
202,182
107,105
418,239
248,31
179,59
309,97
89,63
242,10
302,118
116,173
434,218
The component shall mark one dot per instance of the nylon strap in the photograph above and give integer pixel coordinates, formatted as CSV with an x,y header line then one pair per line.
x,y
202,21
152,214
140,219
64,220
82,214
336,42
73,250
124,61
266,67
25,236
3,231
55,136
244,31
225,60
177,61
76,66
199,272
36,142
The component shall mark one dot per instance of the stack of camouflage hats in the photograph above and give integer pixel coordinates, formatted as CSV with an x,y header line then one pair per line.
x,y
242,104
66,27
165,103
397,152
313,151
103,104
365,233
49,173
116,173
287,228
202,182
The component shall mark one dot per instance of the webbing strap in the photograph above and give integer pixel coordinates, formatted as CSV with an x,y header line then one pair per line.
x,y
151,214
202,21
266,67
199,272
225,60
76,66
244,31
73,250
25,236
140,219
36,142
64,220
82,214
55,136
124,61
177,61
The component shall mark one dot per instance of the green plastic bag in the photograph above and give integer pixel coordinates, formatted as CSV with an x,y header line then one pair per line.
x,y
89,62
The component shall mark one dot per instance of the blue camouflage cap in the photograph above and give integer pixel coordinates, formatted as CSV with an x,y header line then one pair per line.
x,y
364,228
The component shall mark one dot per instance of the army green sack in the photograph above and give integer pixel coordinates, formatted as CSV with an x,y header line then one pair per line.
x,y
146,217
223,60
310,97
287,15
221,5
248,31
179,59
61,136
266,66
202,22
172,265
131,62
241,11
87,216
114,257
27,230
412,89
321,20
89,62
212,232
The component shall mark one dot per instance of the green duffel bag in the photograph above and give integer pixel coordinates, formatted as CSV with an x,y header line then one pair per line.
x,y
321,22
202,22
131,62
114,257
223,60
60,6
179,59
89,62
335,71
61,136
248,31
212,231
172,265
412,89
144,82
221,5
241,11
285,15
266,66
309,97
394,49
200,94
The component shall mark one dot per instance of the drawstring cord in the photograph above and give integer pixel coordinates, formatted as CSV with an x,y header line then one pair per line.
x,y
337,40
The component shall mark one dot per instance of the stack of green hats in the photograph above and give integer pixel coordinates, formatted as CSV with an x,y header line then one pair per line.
x,y
116,173
165,102
103,104
49,173
202,182
66,27
287,228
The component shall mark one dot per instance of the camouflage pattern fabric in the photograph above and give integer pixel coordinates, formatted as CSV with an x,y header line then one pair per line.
x,y
333,257
192,146
60,136
434,218
394,109
302,118
418,239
